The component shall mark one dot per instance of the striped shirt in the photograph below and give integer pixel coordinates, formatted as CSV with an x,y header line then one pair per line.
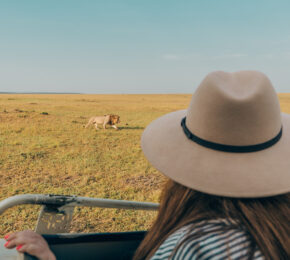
x,y
208,240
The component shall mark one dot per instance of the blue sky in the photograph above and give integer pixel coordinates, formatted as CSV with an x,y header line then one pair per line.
x,y
149,46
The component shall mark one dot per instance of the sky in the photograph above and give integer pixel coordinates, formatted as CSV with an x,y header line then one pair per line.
x,y
135,46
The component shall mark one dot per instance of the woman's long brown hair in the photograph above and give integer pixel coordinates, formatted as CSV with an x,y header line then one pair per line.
x,y
265,219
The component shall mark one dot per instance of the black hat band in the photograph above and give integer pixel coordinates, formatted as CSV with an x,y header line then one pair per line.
x,y
229,148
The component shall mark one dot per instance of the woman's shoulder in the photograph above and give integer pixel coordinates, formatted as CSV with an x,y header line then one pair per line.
x,y
208,239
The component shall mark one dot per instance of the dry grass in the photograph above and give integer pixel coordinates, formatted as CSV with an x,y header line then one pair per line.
x,y
45,149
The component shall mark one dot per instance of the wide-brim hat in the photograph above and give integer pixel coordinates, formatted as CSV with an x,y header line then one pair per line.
x,y
232,140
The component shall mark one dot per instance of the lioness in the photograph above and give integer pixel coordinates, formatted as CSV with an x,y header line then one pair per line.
x,y
111,120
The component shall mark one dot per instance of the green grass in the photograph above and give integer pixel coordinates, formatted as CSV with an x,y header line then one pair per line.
x,y
45,149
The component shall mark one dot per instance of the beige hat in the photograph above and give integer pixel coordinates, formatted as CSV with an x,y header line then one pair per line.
x,y
232,140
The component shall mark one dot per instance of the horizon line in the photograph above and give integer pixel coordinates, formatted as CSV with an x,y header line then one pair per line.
x,y
79,93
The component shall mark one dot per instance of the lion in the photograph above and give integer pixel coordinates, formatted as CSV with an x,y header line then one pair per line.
x,y
111,120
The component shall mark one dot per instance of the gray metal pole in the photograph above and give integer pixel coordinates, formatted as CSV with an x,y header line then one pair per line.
x,y
60,200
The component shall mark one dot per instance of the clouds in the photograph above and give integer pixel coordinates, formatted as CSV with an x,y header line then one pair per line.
x,y
230,56
181,56
190,56
171,57
287,54
276,55
235,56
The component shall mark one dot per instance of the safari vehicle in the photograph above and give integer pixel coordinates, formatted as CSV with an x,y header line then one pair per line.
x,y
54,224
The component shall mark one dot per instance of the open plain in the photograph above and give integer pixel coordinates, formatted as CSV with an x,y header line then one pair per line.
x,y
44,148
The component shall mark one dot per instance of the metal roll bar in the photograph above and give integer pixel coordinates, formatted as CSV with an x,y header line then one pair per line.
x,y
61,200
56,213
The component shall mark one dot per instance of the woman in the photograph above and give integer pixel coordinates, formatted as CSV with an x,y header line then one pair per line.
x,y
227,158
194,225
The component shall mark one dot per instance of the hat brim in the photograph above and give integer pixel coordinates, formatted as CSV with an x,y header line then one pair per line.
x,y
245,175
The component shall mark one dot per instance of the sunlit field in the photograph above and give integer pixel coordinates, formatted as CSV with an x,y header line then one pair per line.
x,y
45,149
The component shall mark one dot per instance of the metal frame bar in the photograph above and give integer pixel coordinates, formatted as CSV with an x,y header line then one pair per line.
x,y
56,213
74,201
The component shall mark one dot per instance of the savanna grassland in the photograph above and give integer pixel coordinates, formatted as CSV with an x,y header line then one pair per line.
x,y
44,148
